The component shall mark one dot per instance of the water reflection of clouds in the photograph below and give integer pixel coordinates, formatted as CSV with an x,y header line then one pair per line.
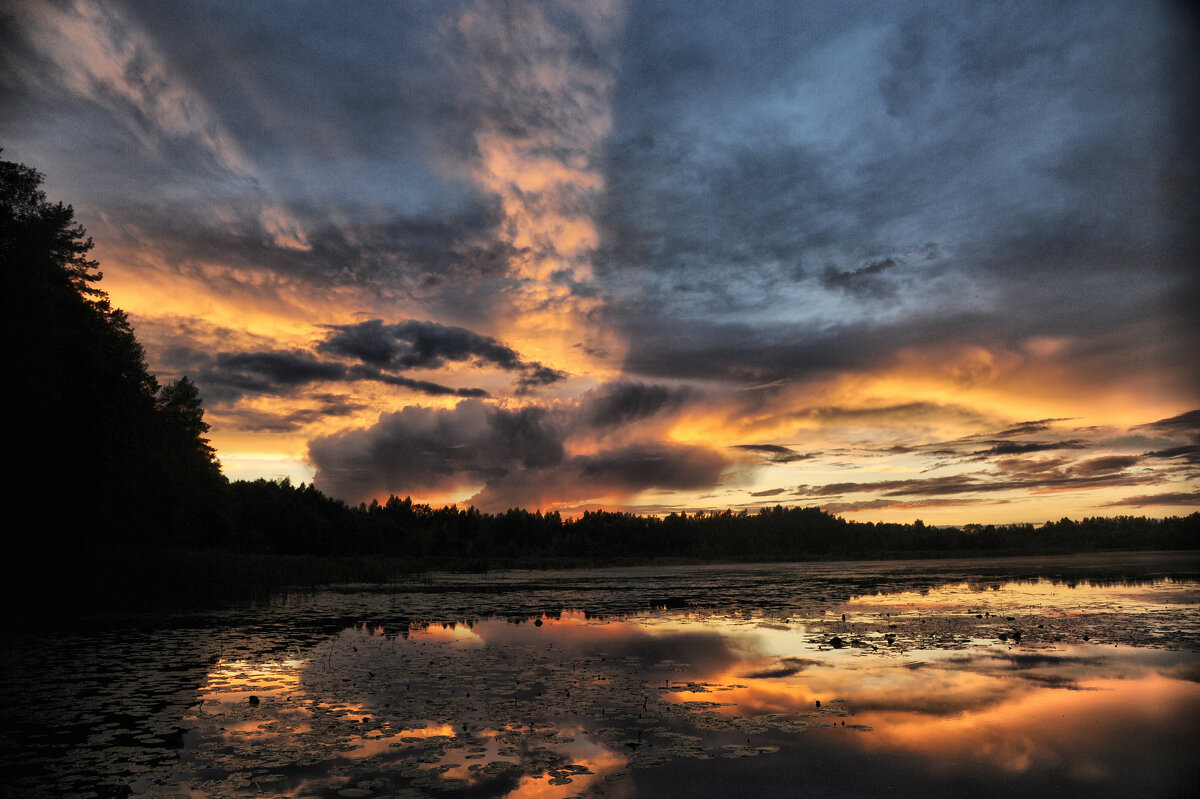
x,y
873,684
1043,594
951,707
461,634
996,711
564,704
656,649
1086,733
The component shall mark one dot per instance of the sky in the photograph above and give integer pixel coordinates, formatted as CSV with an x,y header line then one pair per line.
x,y
897,260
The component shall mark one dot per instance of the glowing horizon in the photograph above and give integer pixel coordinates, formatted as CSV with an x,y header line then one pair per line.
x,y
618,254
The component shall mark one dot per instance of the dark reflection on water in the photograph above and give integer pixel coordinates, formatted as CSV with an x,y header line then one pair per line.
x,y
932,678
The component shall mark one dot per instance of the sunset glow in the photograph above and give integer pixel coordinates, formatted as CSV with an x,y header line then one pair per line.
x,y
867,256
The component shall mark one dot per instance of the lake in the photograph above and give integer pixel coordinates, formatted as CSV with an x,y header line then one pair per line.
x,y
1071,675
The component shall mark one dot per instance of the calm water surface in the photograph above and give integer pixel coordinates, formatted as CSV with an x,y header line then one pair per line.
x,y
1078,676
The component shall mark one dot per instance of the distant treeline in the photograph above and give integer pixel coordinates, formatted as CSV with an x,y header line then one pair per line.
x,y
117,497
281,518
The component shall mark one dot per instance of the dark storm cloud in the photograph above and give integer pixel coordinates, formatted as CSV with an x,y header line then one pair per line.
x,y
758,352
518,457
1028,428
372,86
420,449
534,376
658,465
1022,447
429,345
369,342
860,281
1187,452
1185,424
665,345
417,345
1109,464
621,471
1152,500
739,351
423,386
1186,427
774,453
268,371
900,411
625,402
946,104
506,43
231,375
383,352
999,444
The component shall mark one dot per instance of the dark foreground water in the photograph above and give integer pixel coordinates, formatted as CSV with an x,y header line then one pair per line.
x,y
1071,676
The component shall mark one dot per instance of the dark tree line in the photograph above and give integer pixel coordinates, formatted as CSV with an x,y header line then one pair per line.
x,y
282,518
112,470
102,451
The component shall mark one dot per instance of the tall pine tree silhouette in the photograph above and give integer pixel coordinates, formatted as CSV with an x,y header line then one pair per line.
x,y
100,453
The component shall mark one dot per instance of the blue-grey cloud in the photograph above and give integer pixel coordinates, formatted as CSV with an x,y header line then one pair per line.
x,y
231,375
516,458
625,402
417,345
428,345
984,131
420,449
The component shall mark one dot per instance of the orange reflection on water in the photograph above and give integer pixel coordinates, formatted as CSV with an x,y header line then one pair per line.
x,y
440,730
239,681
459,634
806,687
571,630
572,617
1044,596
378,741
601,762
554,705
1079,730
1073,709
251,699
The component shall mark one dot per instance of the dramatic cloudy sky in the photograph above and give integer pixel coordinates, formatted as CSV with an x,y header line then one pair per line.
x,y
895,259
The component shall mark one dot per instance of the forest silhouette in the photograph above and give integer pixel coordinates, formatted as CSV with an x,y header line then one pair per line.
x,y
117,498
